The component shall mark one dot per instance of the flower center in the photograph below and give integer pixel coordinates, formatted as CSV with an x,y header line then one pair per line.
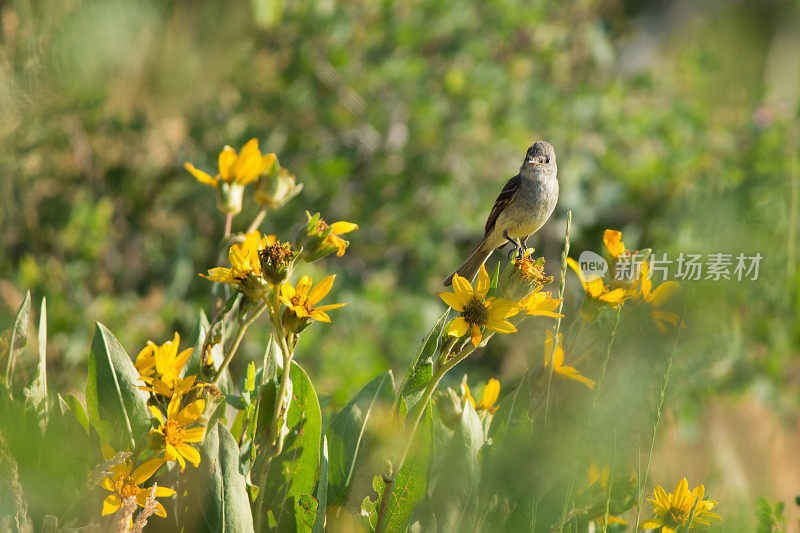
x,y
475,313
277,254
676,517
295,301
124,486
173,432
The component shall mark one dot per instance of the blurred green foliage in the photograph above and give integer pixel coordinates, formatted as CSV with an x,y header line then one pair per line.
x,y
673,122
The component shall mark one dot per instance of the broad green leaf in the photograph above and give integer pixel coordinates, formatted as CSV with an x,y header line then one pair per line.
x,y
36,392
19,336
347,432
293,472
322,490
74,405
421,370
217,499
457,471
411,482
112,392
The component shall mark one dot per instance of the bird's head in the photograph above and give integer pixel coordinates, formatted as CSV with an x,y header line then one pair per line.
x,y
540,158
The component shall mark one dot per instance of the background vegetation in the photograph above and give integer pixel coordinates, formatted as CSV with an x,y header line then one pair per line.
x,y
675,122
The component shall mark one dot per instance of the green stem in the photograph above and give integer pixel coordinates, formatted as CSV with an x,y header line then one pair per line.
x,y
643,482
228,224
415,417
275,445
257,221
236,340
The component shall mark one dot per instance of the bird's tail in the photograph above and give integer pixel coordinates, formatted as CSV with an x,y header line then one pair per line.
x,y
471,264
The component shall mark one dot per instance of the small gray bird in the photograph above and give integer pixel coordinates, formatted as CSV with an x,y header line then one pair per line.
x,y
524,205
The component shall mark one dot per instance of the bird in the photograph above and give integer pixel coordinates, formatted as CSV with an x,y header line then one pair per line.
x,y
523,206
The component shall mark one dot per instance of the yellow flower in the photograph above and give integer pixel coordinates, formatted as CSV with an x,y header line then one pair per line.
x,y
245,269
241,169
558,361
477,310
673,510
598,295
596,289
490,394
600,477
612,239
160,367
301,303
318,239
540,303
174,433
656,298
124,484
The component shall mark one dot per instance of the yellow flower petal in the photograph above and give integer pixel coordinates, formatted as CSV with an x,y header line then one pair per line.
x,y
490,394
328,307
482,283
157,413
475,334
613,242
653,523
191,455
202,177
458,327
146,469
462,288
500,326
452,300
338,228
663,293
303,286
190,413
111,504
319,315
194,434
321,289
225,162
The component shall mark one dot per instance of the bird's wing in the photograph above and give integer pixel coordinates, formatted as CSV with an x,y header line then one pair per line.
x,y
505,198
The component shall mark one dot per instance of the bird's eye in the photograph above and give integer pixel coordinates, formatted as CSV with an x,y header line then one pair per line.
x,y
547,160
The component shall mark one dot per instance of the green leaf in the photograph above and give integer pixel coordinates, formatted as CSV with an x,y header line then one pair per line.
x,y
322,490
19,336
411,482
36,392
421,371
348,430
74,405
112,393
293,472
217,500
457,471
305,511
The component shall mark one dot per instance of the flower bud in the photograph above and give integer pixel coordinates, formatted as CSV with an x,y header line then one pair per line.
x,y
523,276
317,239
230,197
450,406
293,323
276,187
277,260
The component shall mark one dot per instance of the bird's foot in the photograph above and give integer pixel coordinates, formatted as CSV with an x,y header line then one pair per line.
x,y
514,243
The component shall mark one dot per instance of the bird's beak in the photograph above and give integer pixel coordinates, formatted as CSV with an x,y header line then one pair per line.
x,y
534,162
